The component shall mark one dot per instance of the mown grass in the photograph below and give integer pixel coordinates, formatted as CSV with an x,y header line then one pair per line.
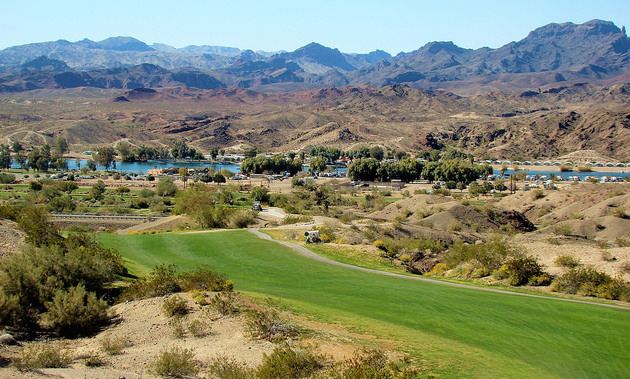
x,y
459,332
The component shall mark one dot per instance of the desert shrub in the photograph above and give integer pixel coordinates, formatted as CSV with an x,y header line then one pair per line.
x,y
225,303
537,194
372,364
491,254
42,356
177,327
122,189
579,278
521,268
175,306
616,289
199,328
439,269
284,362
607,256
77,270
161,281
241,219
619,212
625,267
75,312
92,359
114,346
295,219
567,261
455,226
563,230
6,178
175,362
225,367
206,279
622,242
268,325
326,233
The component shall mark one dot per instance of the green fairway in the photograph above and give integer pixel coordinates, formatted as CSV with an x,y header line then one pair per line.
x,y
459,332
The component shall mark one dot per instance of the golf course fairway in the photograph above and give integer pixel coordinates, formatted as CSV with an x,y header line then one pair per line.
x,y
458,332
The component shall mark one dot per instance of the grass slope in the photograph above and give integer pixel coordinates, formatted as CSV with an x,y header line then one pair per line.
x,y
459,332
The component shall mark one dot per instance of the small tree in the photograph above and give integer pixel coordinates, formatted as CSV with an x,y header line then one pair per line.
x,y
104,156
219,178
183,173
166,187
259,194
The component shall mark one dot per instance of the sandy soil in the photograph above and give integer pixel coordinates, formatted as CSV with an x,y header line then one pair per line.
x,y
11,238
147,329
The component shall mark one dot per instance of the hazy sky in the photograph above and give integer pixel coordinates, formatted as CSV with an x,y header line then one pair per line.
x,y
352,25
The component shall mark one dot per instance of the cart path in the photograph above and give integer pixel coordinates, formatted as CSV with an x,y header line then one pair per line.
x,y
309,254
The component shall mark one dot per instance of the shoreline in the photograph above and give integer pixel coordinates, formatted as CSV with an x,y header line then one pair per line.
x,y
617,170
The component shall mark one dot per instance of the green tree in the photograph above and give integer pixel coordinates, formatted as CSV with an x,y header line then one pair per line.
x,y
219,178
5,157
125,152
251,153
377,153
104,156
183,173
259,194
61,146
317,164
166,187
97,190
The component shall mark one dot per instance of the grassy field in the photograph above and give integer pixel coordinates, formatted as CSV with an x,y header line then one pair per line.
x,y
456,332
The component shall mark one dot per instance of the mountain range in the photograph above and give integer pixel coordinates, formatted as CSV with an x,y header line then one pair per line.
x,y
596,51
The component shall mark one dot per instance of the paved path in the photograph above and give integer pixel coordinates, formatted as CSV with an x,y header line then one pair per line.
x,y
309,254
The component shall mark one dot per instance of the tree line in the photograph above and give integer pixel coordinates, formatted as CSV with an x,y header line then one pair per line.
x,y
410,169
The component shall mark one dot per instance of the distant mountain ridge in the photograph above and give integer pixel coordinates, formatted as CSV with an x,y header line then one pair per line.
x,y
594,51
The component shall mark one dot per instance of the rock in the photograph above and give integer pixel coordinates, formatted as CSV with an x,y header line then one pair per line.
x,y
6,340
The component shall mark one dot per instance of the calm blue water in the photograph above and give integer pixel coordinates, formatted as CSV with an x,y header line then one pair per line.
x,y
142,167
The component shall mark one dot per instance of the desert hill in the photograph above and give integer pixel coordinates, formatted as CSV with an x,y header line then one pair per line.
x,y
531,124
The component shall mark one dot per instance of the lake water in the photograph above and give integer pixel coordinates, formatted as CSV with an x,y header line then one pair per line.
x,y
142,167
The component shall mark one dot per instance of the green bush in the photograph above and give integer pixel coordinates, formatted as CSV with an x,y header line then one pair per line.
x,y
521,269
42,356
161,281
175,362
284,362
266,324
567,261
241,218
225,367
6,178
75,312
175,306
491,254
77,270
166,187
580,278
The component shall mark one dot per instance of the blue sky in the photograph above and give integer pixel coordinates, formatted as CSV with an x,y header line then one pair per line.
x,y
352,26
